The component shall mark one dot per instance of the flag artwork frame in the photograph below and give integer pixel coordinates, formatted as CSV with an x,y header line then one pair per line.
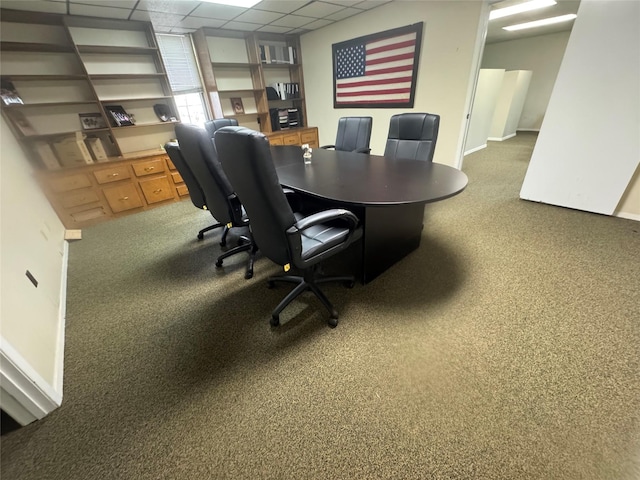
x,y
378,70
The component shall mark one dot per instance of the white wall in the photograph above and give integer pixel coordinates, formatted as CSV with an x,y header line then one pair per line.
x,y
31,238
589,143
513,93
484,106
445,74
543,56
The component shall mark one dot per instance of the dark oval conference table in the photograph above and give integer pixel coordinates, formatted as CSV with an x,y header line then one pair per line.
x,y
387,195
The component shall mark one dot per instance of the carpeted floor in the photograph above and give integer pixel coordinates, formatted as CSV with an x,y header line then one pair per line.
x,y
505,347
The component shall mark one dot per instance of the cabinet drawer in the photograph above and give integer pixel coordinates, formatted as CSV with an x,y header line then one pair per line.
x,y
276,140
149,167
113,174
308,137
291,139
182,190
170,164
86,215
71,182
71,200
176,177
122,198
156,189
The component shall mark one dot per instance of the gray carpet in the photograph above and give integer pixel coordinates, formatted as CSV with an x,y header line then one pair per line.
x,y
506,347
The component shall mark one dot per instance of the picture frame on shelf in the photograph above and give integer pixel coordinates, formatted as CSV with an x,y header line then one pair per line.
x,y
120,117
9,93
92,121
238,107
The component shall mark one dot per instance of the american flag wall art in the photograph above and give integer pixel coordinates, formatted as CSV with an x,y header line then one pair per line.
x,y
377,70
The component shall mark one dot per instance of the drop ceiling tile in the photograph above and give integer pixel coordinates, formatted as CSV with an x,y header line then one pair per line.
x,y
181,31
274,29
222,12
98,11
318,24
319,9
282,6
157,18
106,3
345,3
368,4
183,7
247,27
299,31
35,6
258,16
292,21
342,14
197,22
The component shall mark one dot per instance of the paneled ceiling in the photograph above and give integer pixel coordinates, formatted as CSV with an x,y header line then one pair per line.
x,y
276,16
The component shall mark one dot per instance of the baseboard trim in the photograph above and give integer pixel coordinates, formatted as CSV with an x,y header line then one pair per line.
x,y
62,320
628,216
501,139
26,396
475,149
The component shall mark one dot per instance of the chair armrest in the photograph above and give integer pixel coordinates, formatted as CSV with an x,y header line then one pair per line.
x,y
324,217
362,150
328,146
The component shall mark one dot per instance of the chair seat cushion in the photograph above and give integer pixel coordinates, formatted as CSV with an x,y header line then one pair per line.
x,y
318,238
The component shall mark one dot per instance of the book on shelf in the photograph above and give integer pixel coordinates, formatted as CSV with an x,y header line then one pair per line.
x,y
287,90
9,93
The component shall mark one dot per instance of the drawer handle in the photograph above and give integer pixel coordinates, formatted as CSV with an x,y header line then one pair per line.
x,y
113,175
148,169
157,191
124,198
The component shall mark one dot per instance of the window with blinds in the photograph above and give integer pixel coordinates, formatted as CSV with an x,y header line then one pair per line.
x,y
184,77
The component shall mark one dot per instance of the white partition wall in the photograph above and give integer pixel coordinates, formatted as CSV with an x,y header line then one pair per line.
x,y
484,106
589,144
511,98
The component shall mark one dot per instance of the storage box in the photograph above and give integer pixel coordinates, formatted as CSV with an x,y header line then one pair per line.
x,y
49,160
72,151
97,149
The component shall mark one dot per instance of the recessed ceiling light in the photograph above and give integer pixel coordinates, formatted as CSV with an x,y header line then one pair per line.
x,y
541,23
519,8
235,3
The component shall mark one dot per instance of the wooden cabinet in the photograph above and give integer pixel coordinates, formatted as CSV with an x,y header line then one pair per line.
x,y
68,71
87,195
297,136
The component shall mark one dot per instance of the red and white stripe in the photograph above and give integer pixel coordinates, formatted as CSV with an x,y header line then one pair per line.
x,y
388,73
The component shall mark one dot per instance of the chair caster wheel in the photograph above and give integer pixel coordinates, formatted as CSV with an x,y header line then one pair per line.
x,y
350,284
223,243
271,284
275,320
200,236
219,263
248,275
333,321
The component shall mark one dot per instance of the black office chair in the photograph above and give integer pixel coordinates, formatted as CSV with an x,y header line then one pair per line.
x,y
199,153
413,136
354,134
212,125
288,239
195,190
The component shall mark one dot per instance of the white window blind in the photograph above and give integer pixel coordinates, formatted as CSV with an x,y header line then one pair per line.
x,y
180,62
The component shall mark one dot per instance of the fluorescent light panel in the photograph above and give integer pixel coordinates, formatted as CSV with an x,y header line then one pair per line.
x,y
519,8
235,3
542,23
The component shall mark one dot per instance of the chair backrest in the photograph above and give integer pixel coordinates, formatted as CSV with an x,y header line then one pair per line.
x,y
195,190
353,133
199,153
246,158
213,125
412,135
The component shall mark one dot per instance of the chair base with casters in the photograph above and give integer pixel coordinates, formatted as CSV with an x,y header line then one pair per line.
x,y
225,231
308,281
246,245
